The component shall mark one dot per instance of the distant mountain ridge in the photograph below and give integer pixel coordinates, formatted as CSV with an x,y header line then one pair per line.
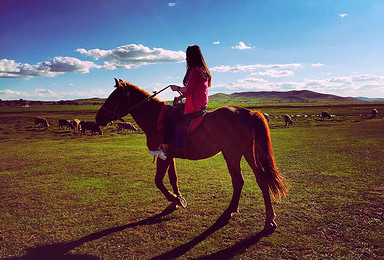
x,y
293,96
370,99
282,96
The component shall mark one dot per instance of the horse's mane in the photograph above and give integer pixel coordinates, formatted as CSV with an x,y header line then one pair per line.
x,y
139,91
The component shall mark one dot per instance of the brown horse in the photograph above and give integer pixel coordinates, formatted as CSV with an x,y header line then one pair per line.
x,y
233,131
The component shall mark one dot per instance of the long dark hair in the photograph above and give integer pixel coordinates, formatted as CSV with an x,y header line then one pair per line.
x,y
195,58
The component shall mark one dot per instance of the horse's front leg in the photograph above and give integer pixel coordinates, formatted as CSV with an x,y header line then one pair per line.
x,y
180,201
161,169
173,177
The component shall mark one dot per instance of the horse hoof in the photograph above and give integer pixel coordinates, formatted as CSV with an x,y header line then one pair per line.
x,y
181,201
225,217
270,227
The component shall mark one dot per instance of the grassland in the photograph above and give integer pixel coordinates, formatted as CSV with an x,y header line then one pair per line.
x,y
93,197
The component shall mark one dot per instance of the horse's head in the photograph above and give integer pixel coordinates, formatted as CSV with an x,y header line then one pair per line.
x,y
116,106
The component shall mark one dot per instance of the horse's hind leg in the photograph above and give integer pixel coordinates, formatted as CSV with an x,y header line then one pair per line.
x,y
262,182
233,164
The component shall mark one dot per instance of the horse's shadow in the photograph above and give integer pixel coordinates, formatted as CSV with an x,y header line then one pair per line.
x,y
60,250
226,253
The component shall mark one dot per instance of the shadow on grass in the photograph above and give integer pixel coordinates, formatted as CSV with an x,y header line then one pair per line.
x,y
239,247
60,250
227,253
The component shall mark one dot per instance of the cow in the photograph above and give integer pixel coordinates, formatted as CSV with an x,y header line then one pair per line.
x,y
124,125
76,125
64,122
374,113
40,121
288,120
90,125
325,114
267,117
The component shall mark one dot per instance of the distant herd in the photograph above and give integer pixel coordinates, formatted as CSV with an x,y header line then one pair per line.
x,y
79,126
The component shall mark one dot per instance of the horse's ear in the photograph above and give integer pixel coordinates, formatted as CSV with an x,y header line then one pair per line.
x,y
116,83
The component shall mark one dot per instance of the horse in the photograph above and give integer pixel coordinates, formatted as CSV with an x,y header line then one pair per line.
x,y
374,113
325,114
288,120
233,131
64,122
124,125
76,125
41,121
90,125
267,117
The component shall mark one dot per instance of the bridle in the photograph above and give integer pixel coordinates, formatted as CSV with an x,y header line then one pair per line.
x,y
115,112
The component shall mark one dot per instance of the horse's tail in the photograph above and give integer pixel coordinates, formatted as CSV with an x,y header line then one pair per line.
x,y
263,155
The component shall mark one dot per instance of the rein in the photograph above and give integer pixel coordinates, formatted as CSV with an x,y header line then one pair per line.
x,y
134,106
146,99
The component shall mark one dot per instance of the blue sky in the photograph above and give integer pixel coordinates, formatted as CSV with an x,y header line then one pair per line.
x,y
59,50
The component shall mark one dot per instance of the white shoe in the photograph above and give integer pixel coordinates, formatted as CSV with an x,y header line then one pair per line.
x,y
159,153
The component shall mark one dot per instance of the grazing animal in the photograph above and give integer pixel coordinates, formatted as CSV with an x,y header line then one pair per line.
x,y
325,114
90,125
124,125
67,123
288,120
233,131
76,125
267,117
40,121
374,113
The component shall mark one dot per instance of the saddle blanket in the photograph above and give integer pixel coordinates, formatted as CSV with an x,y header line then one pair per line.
x,y
183,129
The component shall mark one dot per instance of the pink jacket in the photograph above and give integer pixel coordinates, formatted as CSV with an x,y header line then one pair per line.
x,y
195,91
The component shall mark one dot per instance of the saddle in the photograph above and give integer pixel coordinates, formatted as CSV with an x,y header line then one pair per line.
x,y
183,128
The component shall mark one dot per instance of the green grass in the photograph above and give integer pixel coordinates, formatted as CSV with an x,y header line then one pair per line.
x,y
62,193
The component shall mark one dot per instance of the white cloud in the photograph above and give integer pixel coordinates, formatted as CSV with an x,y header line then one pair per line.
x,y
43,91
133,55
317,65
250,68
46,94
274,73
347,86
127,56
9,93
84,94
343,15
50,68
242,46
216,42
171,4
250,84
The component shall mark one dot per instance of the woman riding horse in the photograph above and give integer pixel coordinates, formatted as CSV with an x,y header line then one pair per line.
x,y
196,82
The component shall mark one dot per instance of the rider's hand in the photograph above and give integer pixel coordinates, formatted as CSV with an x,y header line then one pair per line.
x,y
174,87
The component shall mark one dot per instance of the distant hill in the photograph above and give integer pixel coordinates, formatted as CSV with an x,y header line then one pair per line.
x,y
371,99
91,101
294,96
239,99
